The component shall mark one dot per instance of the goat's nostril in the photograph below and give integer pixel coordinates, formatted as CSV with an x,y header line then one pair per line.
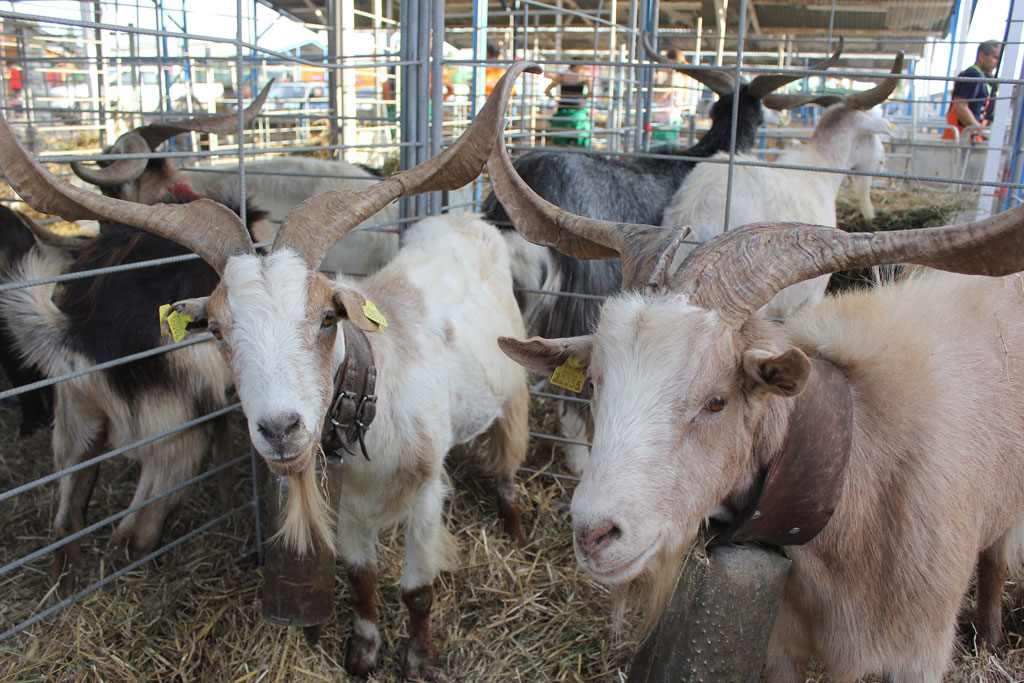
x,y
595,538
279,427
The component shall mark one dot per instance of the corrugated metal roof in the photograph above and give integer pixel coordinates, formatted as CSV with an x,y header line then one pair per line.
x,y
871,28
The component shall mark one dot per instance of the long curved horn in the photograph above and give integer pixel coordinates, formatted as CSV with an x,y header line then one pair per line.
x,y
46,236
766,83
646,251
146,139
209,229
318,223
866,99
121,171
781,102
740,271
721,81
222,124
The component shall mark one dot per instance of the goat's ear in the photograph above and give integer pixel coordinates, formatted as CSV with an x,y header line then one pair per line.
x,y
183,317
783,374
879,126
353,305
541,356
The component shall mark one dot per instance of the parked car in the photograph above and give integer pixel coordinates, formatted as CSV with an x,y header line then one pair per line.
x,y
291,104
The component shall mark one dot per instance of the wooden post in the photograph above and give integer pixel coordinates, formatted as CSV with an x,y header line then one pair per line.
x,y
719,619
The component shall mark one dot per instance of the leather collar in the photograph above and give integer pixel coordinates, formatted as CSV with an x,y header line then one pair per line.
x,y
354,405
804,482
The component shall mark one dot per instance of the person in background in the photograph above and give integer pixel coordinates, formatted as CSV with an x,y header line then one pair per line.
x,y
573,110
493,72
668,102
973,101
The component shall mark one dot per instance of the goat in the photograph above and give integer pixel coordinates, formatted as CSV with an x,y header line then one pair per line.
x,y
99,319
148,181
441,380
933,415
847,137
16,239
629,190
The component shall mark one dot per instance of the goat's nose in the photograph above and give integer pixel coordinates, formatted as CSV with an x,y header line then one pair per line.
x,y
591,539
279,427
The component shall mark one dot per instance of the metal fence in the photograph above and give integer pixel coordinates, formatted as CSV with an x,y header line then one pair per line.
x,y
72,84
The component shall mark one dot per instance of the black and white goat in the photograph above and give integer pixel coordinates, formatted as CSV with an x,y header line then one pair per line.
x,y
18,234
847,137
100,319
630,190
441,378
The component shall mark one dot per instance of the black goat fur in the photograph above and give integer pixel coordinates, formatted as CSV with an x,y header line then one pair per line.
x,y
632,190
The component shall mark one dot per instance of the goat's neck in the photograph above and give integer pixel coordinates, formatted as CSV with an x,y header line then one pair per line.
x,y
835,145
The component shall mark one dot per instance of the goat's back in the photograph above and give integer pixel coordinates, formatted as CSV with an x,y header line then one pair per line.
x,y
450,289
936,473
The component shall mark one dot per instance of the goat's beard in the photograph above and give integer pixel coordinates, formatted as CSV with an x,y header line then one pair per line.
x,y
305,522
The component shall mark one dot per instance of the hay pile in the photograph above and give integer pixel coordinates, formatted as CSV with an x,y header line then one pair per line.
x,y
895,209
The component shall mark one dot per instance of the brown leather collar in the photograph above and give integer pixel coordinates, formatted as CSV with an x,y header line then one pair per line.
x,y
804,482
354,405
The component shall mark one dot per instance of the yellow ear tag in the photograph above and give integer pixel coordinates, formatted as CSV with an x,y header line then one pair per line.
x,y
177,322
371,312
569,375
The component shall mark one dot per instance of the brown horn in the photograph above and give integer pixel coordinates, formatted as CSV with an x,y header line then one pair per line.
x,y
721,81
318,223
781,102
211,230
740,271
766,83
866,99
221,124
121,171
44,235
145,139
646,251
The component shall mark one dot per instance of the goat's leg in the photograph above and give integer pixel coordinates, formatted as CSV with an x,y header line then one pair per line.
x,y
165,464
991,577
428,549
221,450
510,438
357,547
73,443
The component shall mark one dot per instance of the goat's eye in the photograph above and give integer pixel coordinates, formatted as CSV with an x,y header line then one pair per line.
x,y
328,319
217,334
715,405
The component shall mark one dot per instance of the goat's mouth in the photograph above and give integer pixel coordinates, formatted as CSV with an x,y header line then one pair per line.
x,y
288,463
623,570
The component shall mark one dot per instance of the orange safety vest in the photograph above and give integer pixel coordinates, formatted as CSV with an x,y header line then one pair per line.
x,y
953,120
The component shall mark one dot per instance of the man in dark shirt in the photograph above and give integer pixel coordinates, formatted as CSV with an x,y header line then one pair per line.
x,y
972,100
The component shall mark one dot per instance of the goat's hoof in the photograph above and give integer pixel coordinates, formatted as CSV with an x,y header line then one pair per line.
x,y
420,662
360,657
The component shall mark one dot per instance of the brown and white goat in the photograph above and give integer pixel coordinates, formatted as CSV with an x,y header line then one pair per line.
x,y
441,378
932,367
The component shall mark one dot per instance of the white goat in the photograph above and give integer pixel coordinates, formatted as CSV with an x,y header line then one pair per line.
x,y
441,379
847,137
925,377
